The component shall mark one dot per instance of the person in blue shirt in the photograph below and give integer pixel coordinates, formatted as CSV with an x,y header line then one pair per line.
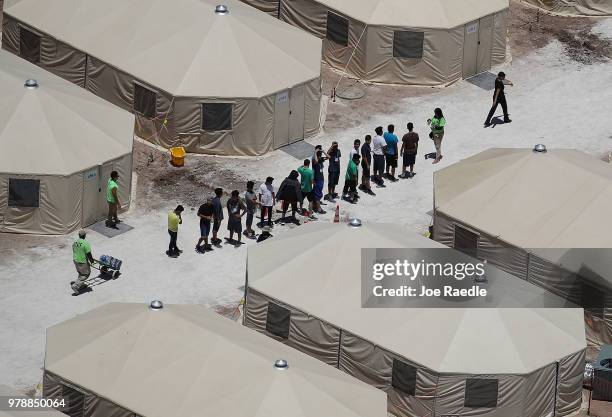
x,y
391,152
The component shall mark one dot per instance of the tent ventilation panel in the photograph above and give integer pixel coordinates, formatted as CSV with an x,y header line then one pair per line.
x,y
30,84
221,9
281,364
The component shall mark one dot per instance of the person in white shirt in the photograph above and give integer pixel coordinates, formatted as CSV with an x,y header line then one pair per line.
x,y
355,150
267,199
378,149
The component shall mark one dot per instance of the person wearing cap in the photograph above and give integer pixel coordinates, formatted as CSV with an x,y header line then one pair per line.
x,y
82,258
112,198
499,97
174,219
265,234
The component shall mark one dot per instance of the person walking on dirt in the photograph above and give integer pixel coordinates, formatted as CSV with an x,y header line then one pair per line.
x,y
390,152
499,97
267,200
378,149
290,193
366,164
174,219
333,171
82,258
205,213
235,210
112,198
437,123
349,193
251,205
410,145
217,215
306,185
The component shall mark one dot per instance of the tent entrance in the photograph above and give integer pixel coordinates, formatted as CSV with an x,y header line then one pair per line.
x,y
91,195
281,119
296,114
477,46
289,117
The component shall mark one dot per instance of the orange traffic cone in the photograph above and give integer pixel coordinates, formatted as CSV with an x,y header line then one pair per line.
x,y
337,215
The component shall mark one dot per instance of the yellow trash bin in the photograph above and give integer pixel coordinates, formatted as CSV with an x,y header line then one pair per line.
x,y
178,156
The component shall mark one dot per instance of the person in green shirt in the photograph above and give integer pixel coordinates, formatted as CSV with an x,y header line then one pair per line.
x,y
349,193
112,198
437,124
174,219
82,258
306,185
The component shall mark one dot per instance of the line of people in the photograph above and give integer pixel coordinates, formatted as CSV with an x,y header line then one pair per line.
x,y
303,189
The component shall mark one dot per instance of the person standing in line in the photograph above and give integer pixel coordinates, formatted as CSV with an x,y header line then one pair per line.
x,y
251,202
391,152
205,213
112,198
355,149
319,181
410,145
174,219
333,171
378,149
349,193
306,184
437,123
366,162
267,200
499,97
235,210
290,193
82,258
217,215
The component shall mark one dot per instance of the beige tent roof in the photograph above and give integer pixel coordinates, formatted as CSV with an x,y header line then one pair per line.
x,y
434,14
57,128
448,340
9,392
185,360
558,199
182,46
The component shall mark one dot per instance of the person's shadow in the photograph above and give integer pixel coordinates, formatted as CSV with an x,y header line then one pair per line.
x,y
497,120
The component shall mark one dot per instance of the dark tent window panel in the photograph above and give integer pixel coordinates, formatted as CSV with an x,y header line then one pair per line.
x,y
466,241
408,44
217,116
592,299
481,393
337,29
29,45
24,192
278,320
403,377
145,101
75,401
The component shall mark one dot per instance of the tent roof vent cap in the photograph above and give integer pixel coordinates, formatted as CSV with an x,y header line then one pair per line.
x,y
30,84
221,9
540,148
281,364
355,223
156,305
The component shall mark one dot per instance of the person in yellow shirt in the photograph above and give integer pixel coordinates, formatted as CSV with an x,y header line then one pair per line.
x,y
112,198
174,219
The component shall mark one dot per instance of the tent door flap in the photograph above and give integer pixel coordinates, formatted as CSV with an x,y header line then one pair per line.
x,y
281,119
91,196
470,49
296,114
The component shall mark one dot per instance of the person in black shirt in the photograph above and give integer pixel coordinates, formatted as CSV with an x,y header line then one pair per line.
x,y
366,162
205,213
290,192
499,97
217,215
333,171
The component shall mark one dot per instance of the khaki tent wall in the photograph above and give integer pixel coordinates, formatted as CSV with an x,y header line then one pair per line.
x,y
534,269
531,395
272,7
61,201
575,7
373,47
253,118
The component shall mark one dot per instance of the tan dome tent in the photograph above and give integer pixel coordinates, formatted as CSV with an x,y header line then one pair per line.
x,y
123,360
59,145
227,81
575,7
542,216
420,42
304,288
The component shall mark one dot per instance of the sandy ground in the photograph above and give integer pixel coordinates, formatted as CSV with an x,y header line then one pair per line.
x,y
558,99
